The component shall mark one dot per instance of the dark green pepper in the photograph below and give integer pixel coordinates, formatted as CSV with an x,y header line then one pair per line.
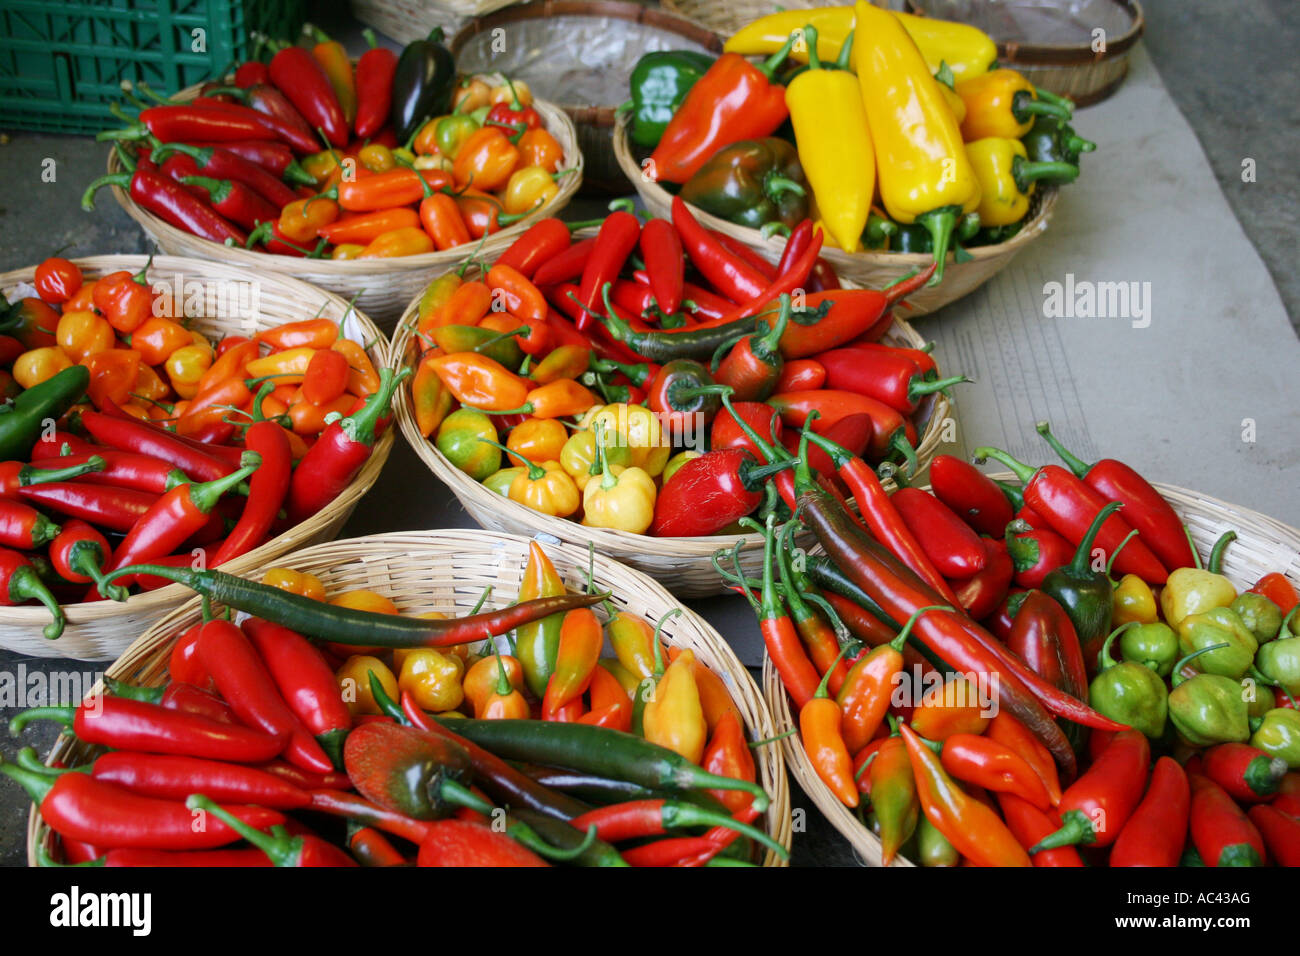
x,y
1129,692
1051,140
22,419
1085,594
423,84
878,231
1208,708
1152,645
459,439
660,81
22,320
932,847
1219,626
751,183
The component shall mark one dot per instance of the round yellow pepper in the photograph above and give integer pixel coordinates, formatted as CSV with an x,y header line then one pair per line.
x,y
433,679
354,683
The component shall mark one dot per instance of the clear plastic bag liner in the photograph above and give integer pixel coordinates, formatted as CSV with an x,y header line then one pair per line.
x,y
1036,22
569,60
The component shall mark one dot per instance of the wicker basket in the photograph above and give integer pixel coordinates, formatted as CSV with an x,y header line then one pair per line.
x,y
683,565
447,571
100,630
410,20
1262,546
382,286
594,122
872,269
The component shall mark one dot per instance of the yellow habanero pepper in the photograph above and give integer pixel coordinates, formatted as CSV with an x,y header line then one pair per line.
x,y
925,176
354,683
1003,103
830,126
546,488
433,679
540,439
1194,591
295,582
1133,600
622,499
967,50
674,718
531,188
631,427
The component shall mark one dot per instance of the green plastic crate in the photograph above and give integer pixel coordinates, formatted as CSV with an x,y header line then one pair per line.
x,y
62,63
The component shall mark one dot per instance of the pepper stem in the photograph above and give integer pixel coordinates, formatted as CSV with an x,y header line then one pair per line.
x,y
1024,105
87,557
901,640
37,785
25,585
62,714
281,848
940,224
1025,173
1022,471
846,53
679,813
112,179
1079,564
1075,464
1077,829
918,387
1216,553
1104,660
535,472
206,495
363,425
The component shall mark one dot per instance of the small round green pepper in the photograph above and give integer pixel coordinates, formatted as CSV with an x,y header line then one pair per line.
x,y
458,439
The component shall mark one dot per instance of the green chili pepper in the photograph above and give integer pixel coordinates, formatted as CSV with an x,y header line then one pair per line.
x,y
1278,735
22,419
1261,616
1086,595
1218,626
1129,692
459,438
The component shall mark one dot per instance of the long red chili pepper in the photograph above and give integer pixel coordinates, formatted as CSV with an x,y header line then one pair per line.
x,y
618,236
124,469
280,846
779,635
224,164
661,248
130,434
1095,808
542,242
275,158
889,377
1221,832
981,593
729,274
242,679
239,203
1281,833
951,545
643,818
358,808
188,694
375,72
174,777
971,494
566,264
1247,773
1154,835
189,122
1145,509
340,452
786,283
279,113
125,724
267,490
297,74
986,763
1028,824
117,509
171,202
890,429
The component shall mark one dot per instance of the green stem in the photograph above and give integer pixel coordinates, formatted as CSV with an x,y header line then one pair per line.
x,y
1022,471
1216,553
1076,465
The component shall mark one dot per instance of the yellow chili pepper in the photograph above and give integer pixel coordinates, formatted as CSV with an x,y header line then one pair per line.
x,y
1193,591
289,367
955,102
433,679
546,488
363,600
295,582
1003,103
186,366
530,188
622,499
354,683
633,640
830,125
967,50
633,427
925,176
674,718
1133,601
346,251
35,366
376,157
434,298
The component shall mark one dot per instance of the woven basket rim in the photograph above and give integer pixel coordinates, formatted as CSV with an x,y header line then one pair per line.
x,y
149,653
558,124
693,549
1064,54
33,617
1185,501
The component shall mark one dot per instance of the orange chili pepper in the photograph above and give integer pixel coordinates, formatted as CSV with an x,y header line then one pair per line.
x,y
483,678
506,701
1015,736
326,377
398,187
83,300
399,242
477,380
520,296
212,405
728,755
609,700
287,367
537,147
367,227
308,333
819,728
149,386
485,160
229,364
113,376
467,305
441,219
80,334
124,302
562,398
431,399
538,439
158,338
952,707
301,221
483,213
575,661
363,380
1277,589
309,419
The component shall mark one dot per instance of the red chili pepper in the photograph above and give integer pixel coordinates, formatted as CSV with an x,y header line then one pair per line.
x,y
242,679
1281,834
618,236
797,672
1069,506
206,121
306,780
295,72
787,283
461,843
19,583
1154,835
281,847
78,807
731,275
1279,590
223,164
1221,832
566,264
542,242
267,489
800,375
240,204
703,304
175,777
642,818
709,492
953,548
1028,824
661,249
1035,552
890,432
250,72
375,72
169,201
1096,807
275,158
1247,773
981,593
116,509
23,527
340,452
1043,636
889,377
726,431
129,434
1014,735
986,763
372,848
123,469
740,249
189,698
79,555
1145,509
125,724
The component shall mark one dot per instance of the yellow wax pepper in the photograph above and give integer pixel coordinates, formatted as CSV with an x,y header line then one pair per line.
x,y
674,718
622,499
925,176
1003,103
830,126
967,50
1007,178
1133,600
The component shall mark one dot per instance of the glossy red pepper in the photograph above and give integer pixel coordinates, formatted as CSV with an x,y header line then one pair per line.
x,y
19,584
1154,835
1281,834
889,377
728,273
174,777
275,158
952,547
971,494
375,71
1220,830
205,121
115,509
1035,552
129,434
1043,636
223,164
661,250
239,203
986,763
295,72
889,435
171,202
708,493
80,553
267,489
618,236
1248,774
1095,808
1028,824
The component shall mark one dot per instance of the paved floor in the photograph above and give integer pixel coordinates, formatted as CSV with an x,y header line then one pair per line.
x,y
1219,61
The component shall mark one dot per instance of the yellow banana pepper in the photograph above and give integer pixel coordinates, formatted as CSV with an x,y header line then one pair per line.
x,y
955,103
1003,103
967,50
925,176
830,127
675,717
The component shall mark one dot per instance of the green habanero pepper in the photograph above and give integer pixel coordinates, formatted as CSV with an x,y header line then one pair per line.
x,y
1129,692
1279,662
423,83
1208,708
660,81
1151,645
751,183
499,481
1261,616
1259,697
1218,626
1277,733
458,439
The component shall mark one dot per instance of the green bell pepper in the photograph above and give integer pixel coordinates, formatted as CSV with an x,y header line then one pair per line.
x,y
458,439
1129,692
751,183
660,81
1277,733
1219,626
1152,645
1261,616
1208,708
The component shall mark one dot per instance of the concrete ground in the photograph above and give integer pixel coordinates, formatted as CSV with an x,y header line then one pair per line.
x,y
1219,61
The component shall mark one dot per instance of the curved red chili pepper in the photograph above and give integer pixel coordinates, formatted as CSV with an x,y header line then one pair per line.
x,y
981,593
618,236
295,72
206,121
541,242
665,264
1028,824
130,434
1154,835
953,548
729,274
174,777
1095,808
116,509
267,489
375,72
1221,832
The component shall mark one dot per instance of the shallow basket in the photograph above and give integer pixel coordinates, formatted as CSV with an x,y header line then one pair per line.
x,y
683,565
100,630
382,286
1263,545
447,571
872,269
410,20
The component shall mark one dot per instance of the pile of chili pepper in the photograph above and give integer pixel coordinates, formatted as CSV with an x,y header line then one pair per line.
x,y
312,155
129,436
971,679
907,109
331,730
642,379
